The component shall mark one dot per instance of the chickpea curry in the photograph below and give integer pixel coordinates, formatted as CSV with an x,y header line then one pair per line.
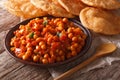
x,y
47,40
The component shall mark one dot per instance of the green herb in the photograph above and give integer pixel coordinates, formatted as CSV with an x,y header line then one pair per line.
x,y
58,34
45,22
31,35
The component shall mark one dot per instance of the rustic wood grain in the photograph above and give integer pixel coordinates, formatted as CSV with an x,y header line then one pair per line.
x,y
11,69
7,21
111,72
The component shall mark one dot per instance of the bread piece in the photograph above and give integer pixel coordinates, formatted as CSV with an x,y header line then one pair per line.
x,y
52,7
23,8
100,21
106,4
72,6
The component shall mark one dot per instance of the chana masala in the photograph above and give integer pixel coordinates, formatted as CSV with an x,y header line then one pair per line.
x,y
47,40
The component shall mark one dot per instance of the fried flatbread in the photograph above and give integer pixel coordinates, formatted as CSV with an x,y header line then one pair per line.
x,y
72,6
100,21
23,8
52,7
106,4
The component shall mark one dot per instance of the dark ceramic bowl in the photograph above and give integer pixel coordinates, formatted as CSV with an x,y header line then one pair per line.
x,y
82,52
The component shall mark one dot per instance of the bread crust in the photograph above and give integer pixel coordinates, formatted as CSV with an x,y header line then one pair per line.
x,y
100,21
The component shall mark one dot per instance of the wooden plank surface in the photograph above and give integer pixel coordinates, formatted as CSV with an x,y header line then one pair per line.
x,y
11,69
111,72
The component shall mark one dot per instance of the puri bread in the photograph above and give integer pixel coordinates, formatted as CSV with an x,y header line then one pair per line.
x,y
100,21
52,7
72,6
23,8
106,4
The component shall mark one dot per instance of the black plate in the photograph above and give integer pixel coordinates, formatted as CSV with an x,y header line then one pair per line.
x,y
83,51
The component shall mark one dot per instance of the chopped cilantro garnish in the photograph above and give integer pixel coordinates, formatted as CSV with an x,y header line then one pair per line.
x,y
58,34
45,22
31,35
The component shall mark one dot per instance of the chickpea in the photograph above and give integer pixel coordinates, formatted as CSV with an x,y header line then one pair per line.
x,y
77,31
36,51
75,45
57,50
40,59
16,44
35,36
69,47
84,36
12,43
53,57
65,20
43,47
49,40
44,61
22,38
61,53
62,57
51,52
21,27
28,53
20,55
74,39
36,58
38,47
74,53
28,45
29,49
46,56
12,48
36,27
45,30
56,20
34,43
51,60
69,30
60,27
41,43
38,39
79,38
68,55
25,57
23,48
70,35
58,59
37,33
21,31
23,42
72,47
79,48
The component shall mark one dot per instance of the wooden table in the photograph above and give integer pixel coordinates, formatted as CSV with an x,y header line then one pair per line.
x,y
11,69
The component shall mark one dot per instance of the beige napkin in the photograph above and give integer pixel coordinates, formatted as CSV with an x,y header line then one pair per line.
x,y
99,63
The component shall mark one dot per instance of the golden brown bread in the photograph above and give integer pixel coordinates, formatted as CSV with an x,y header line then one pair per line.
x,y
106,4
100,21
23,8
52,7
72,6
